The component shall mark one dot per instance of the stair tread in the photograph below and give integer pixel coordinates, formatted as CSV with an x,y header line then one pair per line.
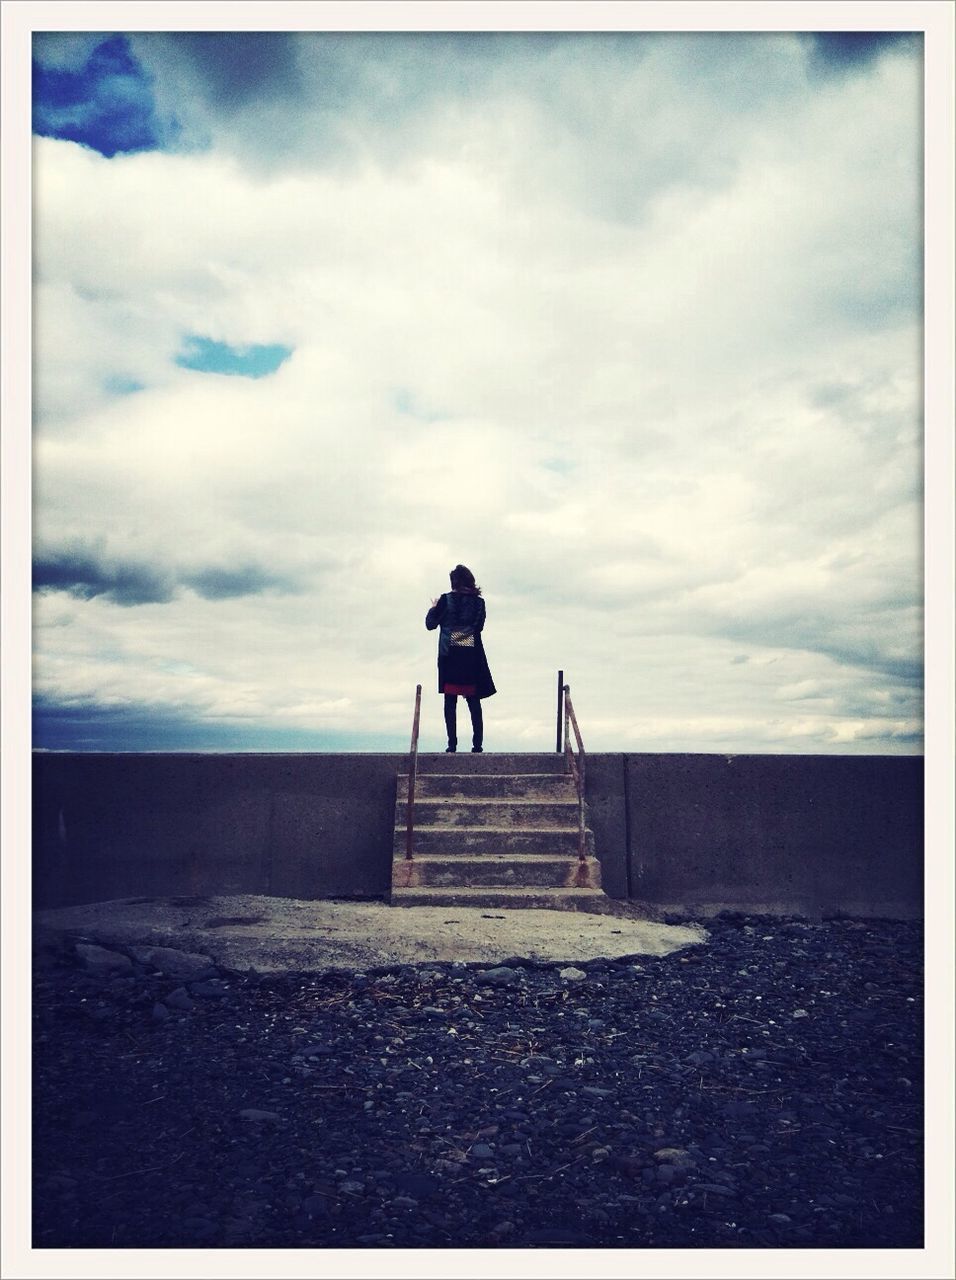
x,y
535,828
510,891
491,800
451,773
533,859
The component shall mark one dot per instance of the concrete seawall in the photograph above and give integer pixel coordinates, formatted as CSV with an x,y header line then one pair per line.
x,y
810,835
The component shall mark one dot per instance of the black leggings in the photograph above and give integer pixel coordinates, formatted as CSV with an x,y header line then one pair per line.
x,y
451,719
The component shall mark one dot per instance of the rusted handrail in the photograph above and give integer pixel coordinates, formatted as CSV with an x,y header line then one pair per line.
x,y
412,775
575,766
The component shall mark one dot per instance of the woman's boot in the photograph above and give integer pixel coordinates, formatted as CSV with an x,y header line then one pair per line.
x,y
451,721
477,725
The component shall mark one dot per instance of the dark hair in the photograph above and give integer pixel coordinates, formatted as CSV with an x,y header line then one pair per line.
x,y
462,579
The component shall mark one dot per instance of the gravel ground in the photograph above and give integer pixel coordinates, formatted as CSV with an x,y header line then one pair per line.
x,y
760,1090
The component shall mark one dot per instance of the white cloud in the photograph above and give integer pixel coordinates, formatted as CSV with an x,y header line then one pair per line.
x,y
630,331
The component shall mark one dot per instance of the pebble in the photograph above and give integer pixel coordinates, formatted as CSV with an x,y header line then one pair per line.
x,y
253,1113
180,999
554,1092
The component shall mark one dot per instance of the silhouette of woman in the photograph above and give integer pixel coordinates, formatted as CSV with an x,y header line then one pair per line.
x,y
462,665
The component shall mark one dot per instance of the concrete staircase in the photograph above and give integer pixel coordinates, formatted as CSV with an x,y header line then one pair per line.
x,y
494,831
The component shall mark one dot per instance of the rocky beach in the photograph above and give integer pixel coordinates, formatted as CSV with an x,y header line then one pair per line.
x,y
762,1089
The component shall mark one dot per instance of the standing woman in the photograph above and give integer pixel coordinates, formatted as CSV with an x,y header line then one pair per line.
x,y
462,665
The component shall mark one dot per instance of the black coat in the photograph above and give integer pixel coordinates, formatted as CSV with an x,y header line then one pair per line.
x,y
460,615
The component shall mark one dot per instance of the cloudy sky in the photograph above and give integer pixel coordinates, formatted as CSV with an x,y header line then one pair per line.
x,y
630,323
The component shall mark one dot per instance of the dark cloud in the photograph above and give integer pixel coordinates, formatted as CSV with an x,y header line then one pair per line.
x,y
227,584
104,101
89,726
84,574
840,52
825,636
233,69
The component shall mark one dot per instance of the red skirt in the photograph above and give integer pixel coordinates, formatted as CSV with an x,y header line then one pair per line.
x,y
466,690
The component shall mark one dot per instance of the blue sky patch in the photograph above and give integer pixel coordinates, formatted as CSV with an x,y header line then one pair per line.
x,y
406,402
206,356
120,386
106,103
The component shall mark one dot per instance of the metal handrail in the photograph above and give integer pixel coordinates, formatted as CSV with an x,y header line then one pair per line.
x,y
575,766
412,775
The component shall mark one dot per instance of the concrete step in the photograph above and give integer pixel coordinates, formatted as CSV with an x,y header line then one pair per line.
x,y
444,812
467,786
594,900
459,840
496,870
490,762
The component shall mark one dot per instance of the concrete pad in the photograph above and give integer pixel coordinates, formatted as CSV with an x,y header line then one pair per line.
x,y
253,932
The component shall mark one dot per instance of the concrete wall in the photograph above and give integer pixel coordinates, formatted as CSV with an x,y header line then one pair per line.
x,y
295,826
809,835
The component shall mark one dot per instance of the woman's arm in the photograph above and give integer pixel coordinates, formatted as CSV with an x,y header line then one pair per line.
x,y
435,613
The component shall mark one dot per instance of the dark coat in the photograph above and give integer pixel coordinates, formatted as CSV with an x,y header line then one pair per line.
x,y
461,653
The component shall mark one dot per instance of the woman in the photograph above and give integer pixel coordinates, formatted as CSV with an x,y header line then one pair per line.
x,y
462,665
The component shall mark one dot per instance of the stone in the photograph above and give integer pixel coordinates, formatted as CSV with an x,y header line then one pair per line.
x,y
501,976
214,989
160,1012
592,1091
176,964
571,974
481,1151
102,959
672,1155
253,1113
419,1185
314,1207
700,1058
179,999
